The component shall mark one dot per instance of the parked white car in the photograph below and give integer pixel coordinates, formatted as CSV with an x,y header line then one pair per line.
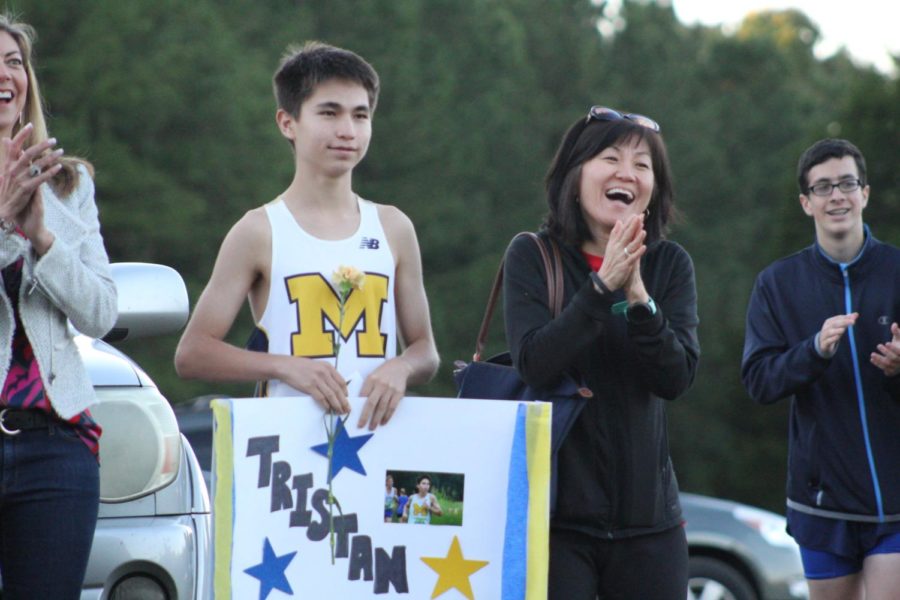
x,y
153,535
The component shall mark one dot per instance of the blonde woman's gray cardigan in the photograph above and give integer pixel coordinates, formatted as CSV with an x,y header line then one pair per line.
x,y
71,282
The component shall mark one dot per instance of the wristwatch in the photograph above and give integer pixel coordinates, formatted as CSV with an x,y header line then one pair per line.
x,y
640,312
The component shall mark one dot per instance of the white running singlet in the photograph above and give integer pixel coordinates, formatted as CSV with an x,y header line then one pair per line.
x,y
420,509
302,314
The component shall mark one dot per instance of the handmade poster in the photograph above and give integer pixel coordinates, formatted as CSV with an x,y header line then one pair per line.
x,y
449,500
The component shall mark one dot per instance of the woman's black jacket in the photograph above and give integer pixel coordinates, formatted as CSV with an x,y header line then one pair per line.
x,y
615,475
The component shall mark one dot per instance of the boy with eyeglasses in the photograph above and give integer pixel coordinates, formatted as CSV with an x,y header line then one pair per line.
x,y
282,256
822,330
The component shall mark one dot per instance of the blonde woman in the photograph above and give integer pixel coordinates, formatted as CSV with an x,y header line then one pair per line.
x,y
55,271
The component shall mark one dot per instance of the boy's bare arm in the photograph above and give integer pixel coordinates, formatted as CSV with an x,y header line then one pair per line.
x,y
419,360
435,506
203,352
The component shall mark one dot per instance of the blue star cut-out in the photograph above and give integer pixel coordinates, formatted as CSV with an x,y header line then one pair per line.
x,y
270,571
345,451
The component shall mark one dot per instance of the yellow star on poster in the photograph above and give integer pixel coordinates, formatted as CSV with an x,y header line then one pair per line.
x,y
454,571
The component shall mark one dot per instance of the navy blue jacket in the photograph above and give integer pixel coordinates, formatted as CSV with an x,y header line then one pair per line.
x,y
844,455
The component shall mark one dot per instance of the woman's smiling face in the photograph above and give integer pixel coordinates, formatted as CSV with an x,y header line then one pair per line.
x,y
615,184
13,83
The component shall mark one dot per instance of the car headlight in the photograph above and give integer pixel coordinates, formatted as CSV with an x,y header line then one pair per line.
x,y
139,587
140,447
770,526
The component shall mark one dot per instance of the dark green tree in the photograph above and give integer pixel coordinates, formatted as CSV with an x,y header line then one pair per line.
x,y
172,102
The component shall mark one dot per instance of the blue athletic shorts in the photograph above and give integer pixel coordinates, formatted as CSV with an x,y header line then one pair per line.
x,y
834,548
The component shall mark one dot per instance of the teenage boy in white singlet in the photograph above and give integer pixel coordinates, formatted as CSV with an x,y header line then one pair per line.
x,y
422,504
281,257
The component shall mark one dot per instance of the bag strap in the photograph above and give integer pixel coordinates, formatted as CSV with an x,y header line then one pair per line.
x,y
553,272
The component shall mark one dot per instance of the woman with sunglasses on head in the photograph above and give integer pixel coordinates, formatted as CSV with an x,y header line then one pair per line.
x,y
55,271
627,331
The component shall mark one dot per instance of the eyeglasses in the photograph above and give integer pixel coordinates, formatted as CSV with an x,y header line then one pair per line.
x,y
825,188
602,113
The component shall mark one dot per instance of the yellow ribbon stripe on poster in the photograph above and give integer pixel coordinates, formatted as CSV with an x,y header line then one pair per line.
x,y
538,431
223,467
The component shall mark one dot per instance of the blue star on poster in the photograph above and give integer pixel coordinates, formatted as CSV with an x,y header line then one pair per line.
x,y
270,571
346,451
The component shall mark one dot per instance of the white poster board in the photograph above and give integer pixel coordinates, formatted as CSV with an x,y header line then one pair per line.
x,y
489,466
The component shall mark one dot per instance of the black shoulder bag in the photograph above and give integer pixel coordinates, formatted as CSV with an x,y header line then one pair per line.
x,y
496,378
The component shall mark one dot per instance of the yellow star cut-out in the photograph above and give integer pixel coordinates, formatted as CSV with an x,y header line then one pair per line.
x,y
454,571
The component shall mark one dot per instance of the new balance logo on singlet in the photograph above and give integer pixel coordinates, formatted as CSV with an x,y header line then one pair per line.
x,y
370,243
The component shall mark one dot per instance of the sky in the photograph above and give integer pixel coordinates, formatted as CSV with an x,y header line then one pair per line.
x,y
868,29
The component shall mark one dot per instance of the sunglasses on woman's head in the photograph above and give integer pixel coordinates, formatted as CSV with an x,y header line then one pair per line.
x,y
602,113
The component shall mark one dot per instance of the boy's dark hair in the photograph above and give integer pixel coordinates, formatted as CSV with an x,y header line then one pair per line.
x,y
303,68
422,478
825,150
584,140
